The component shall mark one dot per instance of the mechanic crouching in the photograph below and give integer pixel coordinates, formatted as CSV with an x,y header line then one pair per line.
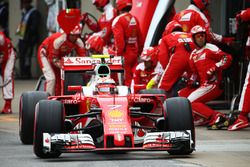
x,y
50,52
207,61
149,71
7,61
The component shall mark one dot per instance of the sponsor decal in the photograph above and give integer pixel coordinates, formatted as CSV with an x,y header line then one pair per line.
x,y
89,61
70,101
115,114
142,100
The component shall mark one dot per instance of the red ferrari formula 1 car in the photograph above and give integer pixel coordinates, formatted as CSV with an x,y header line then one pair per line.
x,y
101,118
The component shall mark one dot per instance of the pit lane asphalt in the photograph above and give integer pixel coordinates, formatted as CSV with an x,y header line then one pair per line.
x,y
214,148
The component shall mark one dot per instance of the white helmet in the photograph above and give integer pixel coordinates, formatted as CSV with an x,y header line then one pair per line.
x,y
105,85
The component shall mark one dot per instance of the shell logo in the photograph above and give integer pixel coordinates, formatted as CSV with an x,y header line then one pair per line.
x,y
185,28
183,36
115,113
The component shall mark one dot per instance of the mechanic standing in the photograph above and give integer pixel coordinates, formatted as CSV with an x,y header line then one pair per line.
x,y
175,48
7,61
195,15
149,71
50,52
127,36
207,61
102,29
27,32
244,105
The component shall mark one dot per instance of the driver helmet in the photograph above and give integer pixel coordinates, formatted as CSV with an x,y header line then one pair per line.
x,y
201,4
100,3
77,30
150,54
105,86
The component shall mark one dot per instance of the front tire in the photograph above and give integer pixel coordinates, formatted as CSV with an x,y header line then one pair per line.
x,y
180,118
48,119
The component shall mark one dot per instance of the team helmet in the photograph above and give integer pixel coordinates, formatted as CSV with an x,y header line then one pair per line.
x,y
105,86
150,54
100,3
201,4
197,29
121,4
172,26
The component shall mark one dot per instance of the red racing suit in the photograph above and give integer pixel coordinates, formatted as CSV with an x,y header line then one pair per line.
x,y
53,49
126,31
201,62
141,76
7,66
175,49
193,16
244,104
104,24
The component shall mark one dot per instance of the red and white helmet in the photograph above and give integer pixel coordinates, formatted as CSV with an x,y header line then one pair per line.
x,y
77,30
197,29
121,4
201,4
100,3
105,85
150,54
171,26
95,43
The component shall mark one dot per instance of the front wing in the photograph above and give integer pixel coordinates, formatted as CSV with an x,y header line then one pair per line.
x,y
153,141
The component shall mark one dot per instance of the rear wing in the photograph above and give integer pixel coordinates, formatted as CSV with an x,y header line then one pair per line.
x,y
88,63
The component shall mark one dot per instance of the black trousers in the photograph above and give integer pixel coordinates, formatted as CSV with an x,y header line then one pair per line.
x,y
25,55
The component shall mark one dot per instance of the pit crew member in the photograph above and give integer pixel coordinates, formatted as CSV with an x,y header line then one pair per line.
x,y
207,61
102,28
175,48
50,52
195,15
126,31
244,105
149,71
7,61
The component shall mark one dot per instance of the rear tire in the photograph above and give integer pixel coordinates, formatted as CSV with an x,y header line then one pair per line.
x,y
27,105
48,119
180,118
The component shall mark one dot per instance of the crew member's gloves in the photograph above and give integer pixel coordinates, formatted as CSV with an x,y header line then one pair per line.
x,y
95,43
85,19
211,74
150,84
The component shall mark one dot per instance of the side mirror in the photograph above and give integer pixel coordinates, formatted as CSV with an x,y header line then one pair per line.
x,y
75,88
